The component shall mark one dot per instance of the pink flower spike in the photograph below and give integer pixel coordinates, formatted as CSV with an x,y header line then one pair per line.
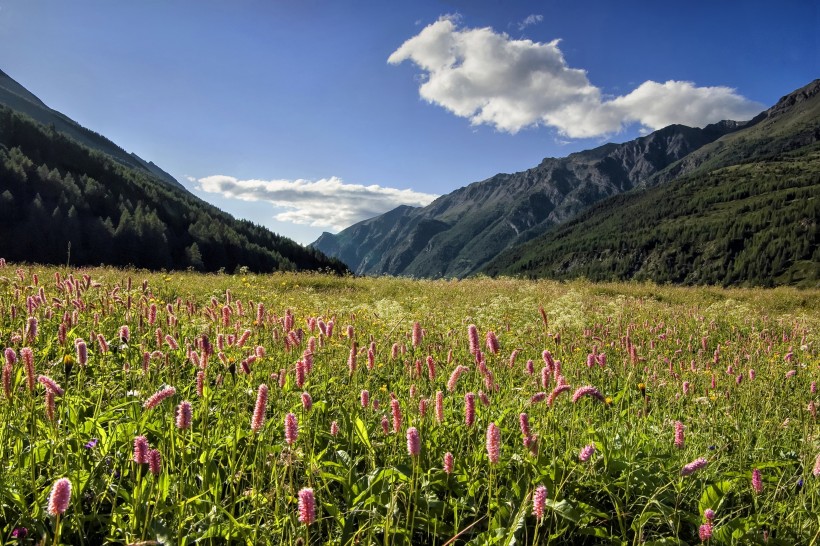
x,y
140,450
562,387
448,463
538,397
451,383
492,343
586,453
184,414
10,355
524,422
307,506
757,481
413,442
157,398
439,406
493,443
705,532
469,409
291,428
679,435
50,384
259,409
395,410
417,334
28,363
472,334
588,390
307,401
709,514
154,462
693,467
60,497
539,502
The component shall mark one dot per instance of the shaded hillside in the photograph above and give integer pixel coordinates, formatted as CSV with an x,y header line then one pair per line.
x,y
460,232
746,213
60,201
18,98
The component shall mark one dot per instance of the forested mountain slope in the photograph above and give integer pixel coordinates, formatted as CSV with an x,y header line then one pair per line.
x,y
742,210
62,201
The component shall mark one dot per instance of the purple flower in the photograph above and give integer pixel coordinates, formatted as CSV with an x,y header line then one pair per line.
x,y
586,453
757,481
19,532
693,467
709,514
587,390
92,443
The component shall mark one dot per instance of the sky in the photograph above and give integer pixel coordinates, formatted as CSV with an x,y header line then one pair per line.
x,y
308,116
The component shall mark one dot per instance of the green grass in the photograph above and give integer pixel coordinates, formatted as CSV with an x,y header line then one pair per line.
x,y
222,483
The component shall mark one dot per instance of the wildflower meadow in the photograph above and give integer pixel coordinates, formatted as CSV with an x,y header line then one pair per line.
x,y
181,408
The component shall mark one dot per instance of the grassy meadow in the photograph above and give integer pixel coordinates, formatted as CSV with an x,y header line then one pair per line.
x,y
182,408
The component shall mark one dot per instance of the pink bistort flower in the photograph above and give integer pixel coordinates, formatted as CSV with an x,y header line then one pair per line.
x,y
694,466
291,428
413,442
448,463
60,497
307,506
539,502
586,453
155,399
184,414
493,443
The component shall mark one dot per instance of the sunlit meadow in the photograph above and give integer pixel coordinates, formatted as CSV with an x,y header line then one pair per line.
x,y
178,408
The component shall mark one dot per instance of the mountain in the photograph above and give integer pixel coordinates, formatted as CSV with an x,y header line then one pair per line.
x,y
18,98
741,210
68,194
460,232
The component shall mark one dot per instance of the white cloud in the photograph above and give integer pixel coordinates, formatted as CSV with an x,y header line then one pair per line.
x,y
327,202
533,19
490,78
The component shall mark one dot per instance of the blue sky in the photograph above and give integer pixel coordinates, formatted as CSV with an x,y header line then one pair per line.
x,y
289,113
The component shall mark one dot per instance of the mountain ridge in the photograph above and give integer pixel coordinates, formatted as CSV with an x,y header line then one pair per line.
x,y
741,210
18,98
458,233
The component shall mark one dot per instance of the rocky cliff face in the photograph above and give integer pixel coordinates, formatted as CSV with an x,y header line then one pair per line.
x,y
458,233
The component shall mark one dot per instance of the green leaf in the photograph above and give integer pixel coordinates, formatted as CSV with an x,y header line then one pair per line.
x,y
361,432
713,495
564,509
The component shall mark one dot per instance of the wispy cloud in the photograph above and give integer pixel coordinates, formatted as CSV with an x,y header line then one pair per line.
x,y
490,78
328,202
533,19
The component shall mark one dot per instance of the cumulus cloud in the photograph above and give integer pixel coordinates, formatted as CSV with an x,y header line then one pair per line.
x,y
328,202
490,78
533,19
